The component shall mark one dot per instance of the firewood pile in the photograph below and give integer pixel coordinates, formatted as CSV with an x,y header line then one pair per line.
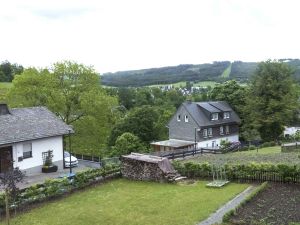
x,y
150,168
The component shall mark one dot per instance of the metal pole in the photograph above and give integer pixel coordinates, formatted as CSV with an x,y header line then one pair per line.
x,y
70,151
195,140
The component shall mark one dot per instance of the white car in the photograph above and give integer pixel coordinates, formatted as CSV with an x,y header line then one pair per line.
x,y
74,161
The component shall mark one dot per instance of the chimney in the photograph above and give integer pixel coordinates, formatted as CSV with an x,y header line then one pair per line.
x,y
189,101
4,109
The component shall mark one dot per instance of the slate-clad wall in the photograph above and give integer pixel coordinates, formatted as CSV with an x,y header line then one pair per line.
x,y
182,130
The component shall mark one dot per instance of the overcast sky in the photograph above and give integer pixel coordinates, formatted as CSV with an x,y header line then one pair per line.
x,y
115,35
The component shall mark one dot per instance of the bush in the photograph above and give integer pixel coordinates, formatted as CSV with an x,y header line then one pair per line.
x,y
252,147
268,144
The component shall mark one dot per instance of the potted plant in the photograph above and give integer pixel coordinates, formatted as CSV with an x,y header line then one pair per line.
x,y
48,166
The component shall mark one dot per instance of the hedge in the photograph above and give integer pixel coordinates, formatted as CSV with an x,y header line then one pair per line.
x,y
252,171
57,187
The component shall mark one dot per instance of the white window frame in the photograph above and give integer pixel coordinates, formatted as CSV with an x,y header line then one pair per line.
x,y
214,116
226,115
210,132
227,129
178,118
28,151
186,118
221,130
205,133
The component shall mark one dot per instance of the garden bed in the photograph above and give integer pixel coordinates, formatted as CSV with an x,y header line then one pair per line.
x,y
277,204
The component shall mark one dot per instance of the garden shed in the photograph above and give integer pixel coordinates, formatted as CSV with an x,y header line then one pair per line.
x,y
147,167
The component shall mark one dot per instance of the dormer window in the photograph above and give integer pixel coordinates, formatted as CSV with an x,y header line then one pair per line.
x,y
178,118
214,116
226,115
186,118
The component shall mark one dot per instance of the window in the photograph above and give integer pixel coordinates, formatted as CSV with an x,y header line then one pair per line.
x,y
226,115
227,129
210,132
214,116
27,150
178,118
186,118
205,133
221,130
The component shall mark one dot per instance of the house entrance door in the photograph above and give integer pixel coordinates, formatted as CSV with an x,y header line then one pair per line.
x,y
5,159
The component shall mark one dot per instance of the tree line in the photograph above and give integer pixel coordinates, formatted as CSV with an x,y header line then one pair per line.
x,y
114,121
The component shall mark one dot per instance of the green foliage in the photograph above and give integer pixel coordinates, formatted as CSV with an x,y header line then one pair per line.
x,y
73,93
224,144
8,71
231,92
141,122
127,143
56,187
239,171
272,99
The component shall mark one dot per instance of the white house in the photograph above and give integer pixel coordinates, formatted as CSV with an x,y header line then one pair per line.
x,y
289,131
26,134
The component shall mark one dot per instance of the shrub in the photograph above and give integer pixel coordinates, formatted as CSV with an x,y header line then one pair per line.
x,y
252,147
56,187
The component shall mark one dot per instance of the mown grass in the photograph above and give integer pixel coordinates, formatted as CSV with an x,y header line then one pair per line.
x,y
133,203
263,155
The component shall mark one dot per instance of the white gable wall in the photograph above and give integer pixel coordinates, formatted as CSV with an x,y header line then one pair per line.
x,y
34,164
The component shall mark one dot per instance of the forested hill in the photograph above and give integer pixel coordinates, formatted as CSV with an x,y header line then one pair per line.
x,y
217,71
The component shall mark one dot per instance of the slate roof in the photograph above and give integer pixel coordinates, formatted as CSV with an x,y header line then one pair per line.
x,y
196,110
24,124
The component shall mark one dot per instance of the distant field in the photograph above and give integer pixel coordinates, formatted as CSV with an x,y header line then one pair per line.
x,y
206,83
4,88
5,85
183,84
226,72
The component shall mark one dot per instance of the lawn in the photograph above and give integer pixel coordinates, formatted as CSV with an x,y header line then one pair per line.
x,y
264,155
133,203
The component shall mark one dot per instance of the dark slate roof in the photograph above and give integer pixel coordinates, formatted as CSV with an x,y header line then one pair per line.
x,y
24,124
197,112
